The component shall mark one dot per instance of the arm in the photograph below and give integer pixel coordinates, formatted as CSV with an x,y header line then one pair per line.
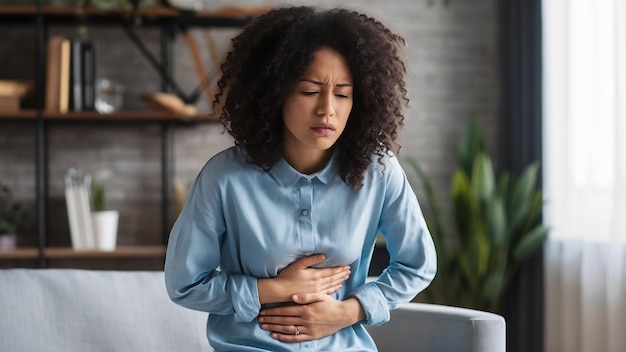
x,y
412,267
193,279
413,260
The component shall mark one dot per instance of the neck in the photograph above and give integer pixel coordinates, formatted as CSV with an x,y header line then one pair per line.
x,y
308,162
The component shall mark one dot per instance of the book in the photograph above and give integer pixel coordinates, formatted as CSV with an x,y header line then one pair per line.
x,y
89,75
53,72
64,75
76,75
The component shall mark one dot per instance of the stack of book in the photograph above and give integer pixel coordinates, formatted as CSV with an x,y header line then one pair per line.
x,y
70,74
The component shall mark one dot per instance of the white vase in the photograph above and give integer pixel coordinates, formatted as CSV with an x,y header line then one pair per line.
x,y
8,242
105,229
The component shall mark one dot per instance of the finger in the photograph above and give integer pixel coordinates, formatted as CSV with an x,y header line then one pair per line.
x,y
282,329
335,271
338,277
284,311
306,298
332,284
333,289
306,262
292,334
291,338
280,320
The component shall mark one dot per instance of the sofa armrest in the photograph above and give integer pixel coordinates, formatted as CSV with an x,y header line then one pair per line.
x,y
433,328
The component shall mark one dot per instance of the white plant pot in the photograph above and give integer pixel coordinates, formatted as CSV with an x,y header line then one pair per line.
x,y
105,229
8,242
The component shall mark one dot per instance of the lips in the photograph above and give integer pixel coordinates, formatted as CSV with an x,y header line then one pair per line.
x,y
324,130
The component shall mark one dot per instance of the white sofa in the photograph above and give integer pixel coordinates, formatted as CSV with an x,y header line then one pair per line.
x,y
72,310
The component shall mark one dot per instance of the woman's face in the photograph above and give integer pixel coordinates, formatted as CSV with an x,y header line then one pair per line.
x,y
316,110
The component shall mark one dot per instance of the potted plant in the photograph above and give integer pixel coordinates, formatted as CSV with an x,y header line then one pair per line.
x,y
104,222
497,222
10,216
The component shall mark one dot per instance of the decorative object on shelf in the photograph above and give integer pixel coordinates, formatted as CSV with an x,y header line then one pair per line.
x,y
105,5
498,225
109,96
181,191
77,187
169,102
104,221
11,214
12,92
217,8
193,5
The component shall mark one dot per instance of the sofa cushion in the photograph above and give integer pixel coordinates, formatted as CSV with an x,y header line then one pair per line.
x,y
80,310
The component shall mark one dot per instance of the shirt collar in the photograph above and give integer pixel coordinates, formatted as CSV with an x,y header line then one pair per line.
x,y
286,175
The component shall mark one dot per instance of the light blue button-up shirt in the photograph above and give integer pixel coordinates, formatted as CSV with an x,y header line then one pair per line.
x,y
240,223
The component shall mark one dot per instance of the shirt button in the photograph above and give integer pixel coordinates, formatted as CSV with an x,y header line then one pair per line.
x,y
307,346
305,212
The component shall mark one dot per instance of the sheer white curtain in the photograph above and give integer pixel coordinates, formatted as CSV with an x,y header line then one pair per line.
x,y
585,174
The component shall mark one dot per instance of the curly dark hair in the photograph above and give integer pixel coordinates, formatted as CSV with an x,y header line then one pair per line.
x,y
273,51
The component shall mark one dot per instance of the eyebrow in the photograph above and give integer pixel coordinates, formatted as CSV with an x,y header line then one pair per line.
x,y
319,83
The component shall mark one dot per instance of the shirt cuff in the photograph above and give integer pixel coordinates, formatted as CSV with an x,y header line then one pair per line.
x,y
244,294
374,304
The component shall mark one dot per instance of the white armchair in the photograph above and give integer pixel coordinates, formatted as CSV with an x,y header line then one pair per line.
x,y
435,328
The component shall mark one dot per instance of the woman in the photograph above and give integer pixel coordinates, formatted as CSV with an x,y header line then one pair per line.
x,y
277,233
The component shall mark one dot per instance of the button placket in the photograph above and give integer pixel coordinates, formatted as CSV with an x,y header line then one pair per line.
x,y
305,218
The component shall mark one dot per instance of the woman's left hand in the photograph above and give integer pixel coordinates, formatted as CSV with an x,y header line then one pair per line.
x,y
316,315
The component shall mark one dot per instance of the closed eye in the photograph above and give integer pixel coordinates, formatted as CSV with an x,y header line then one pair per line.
x,y
309,93
341,95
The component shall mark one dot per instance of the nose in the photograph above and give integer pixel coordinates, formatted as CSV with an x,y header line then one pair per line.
x,y
325,105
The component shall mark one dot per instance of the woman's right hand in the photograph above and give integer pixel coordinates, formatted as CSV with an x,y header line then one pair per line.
x,y
299,277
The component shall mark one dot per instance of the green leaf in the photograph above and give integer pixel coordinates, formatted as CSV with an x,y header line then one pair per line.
x,y
521,195
535,211
494,285
462,204
483,184
483,250
98,199
497,222
438,230
530,243
464,264
503,186
474,256
471,144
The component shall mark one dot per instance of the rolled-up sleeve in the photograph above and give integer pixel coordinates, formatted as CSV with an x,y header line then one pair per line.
x,y
413,260
192,275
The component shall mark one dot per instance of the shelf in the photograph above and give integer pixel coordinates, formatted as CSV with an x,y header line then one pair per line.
x,y
169,22
119,252
19,253
95,116
18,115
125,115
69,253
229,16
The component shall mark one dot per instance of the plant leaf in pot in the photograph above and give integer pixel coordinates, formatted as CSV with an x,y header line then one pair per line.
x,y
497,225
11,214
105,222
